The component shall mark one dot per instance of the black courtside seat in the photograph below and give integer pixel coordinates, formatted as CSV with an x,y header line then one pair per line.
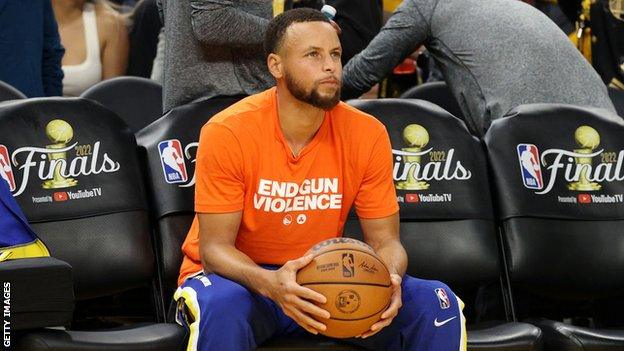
x,y
78,180
617,97
172,192
437,93
447,221
172,196
558,172
137,100
9,92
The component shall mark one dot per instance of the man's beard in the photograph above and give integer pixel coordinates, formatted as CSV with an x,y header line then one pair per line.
x,y
313,97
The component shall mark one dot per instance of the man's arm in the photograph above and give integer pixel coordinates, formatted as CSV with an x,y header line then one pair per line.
x,y
217,237
220,22
405,31
382,235
53,51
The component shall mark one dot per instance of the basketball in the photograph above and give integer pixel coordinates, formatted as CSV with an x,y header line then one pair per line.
x,y
355,282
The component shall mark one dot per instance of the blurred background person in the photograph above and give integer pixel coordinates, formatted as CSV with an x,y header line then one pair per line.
x,y
494,56
145,26
214,48
96,43
30,47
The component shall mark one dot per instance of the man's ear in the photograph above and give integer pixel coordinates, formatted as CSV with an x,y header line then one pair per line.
x,y
274,62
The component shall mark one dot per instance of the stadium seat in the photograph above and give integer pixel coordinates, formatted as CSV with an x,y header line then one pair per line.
x,y
617,97
172,198
437,93
447,220
75,173
558,175
9,92
138,101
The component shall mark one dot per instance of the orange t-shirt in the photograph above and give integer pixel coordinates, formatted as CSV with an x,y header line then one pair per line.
x,y
288,203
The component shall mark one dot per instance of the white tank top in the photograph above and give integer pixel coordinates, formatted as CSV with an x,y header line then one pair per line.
x,y
79,78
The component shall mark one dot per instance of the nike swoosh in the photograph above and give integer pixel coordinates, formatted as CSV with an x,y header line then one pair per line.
x,y
439,324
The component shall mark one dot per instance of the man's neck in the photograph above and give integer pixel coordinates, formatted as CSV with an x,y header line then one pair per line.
x,y
298,120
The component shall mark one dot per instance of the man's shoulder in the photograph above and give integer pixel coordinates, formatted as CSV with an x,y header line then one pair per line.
x,y
247,112
354,119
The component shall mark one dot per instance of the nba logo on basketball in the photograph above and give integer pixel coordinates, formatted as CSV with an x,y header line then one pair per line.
x,y
172,161
443,298
6,172
528,155
348,265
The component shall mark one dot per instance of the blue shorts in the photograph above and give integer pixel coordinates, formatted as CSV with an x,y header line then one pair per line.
x,y
223,315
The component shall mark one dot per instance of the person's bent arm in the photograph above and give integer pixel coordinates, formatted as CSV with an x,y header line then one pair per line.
x,y
217,237
219,22
383,235
116,46
405,31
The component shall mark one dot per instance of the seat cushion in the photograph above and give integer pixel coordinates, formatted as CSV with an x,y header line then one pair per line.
x,y
505,337
153,337
307,343
567,337
40,292
499,337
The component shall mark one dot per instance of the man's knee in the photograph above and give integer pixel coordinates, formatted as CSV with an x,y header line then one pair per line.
x,y
220,299
424,297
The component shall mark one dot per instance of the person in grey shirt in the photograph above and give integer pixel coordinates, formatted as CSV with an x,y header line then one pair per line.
x,y
214,48
494,55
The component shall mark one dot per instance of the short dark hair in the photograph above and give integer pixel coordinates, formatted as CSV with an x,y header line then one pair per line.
x,y
277,27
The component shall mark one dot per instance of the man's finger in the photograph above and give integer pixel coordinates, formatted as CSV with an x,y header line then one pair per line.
x,y
301,262
309,294
312,309
377,327
305,320
393,309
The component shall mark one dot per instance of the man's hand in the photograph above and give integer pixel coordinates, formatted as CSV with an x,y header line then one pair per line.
x,y
388,315
294,299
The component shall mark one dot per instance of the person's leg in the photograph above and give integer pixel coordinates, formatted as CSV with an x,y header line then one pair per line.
x,y
429,320
223,315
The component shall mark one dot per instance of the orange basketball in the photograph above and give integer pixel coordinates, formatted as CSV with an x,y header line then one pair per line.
x,y
355,282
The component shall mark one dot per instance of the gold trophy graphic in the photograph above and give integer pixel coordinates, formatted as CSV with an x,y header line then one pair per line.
x,y
416,137
588,139
60,133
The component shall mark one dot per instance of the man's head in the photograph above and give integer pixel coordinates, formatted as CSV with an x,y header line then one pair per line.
x,y
303,54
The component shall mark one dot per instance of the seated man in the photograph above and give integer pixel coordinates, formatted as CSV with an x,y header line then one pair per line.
x,y
237,281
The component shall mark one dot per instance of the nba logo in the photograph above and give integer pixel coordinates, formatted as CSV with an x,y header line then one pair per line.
x,y
172,161
528,155
6,172
443,298
348,265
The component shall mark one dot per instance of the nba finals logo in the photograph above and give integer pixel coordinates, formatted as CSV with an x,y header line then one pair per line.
x,y
172,161
414,165
6,172
583,168
348,265
528,154
53,166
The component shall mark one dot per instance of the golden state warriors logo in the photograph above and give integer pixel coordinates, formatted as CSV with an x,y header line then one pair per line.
x,y
584,168
59,163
